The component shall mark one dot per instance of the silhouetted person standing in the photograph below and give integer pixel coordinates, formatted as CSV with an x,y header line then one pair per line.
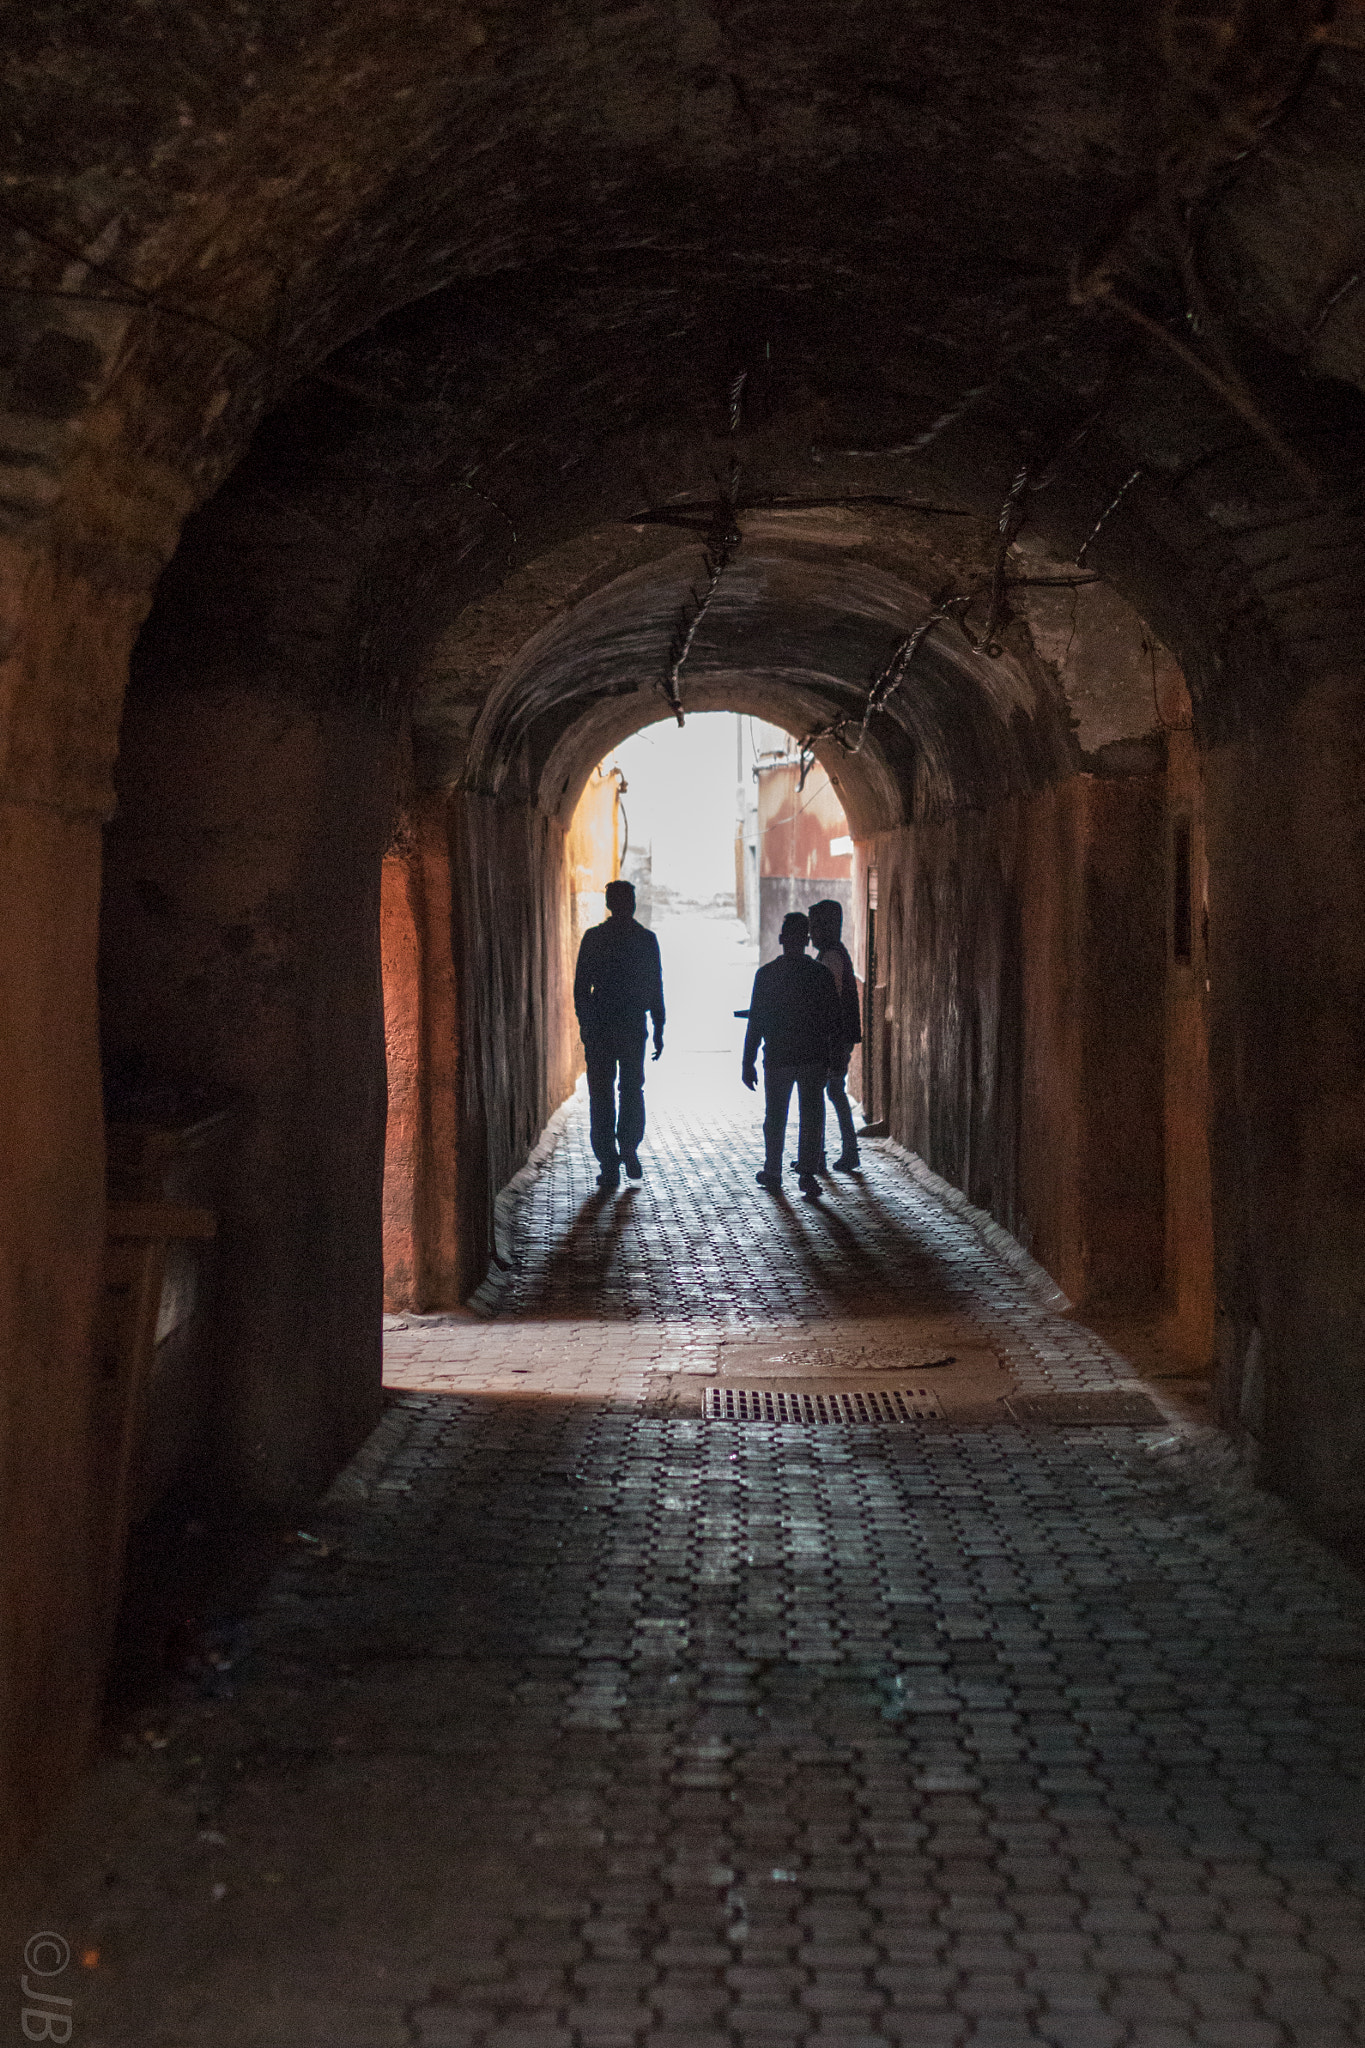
x,y
794,1016
617,986
826,925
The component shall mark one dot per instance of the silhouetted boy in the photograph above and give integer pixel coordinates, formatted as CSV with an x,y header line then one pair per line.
x,y
794,1016
618,983
826,925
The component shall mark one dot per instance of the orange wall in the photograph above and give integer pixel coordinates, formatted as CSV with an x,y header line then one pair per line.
x,y
594,852
795,828
402,967
1189,1197
422,1255
478,953
1023,1020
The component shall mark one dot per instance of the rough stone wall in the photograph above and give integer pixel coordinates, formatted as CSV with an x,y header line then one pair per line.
x,y
1023,953
425,1150
1121,979
1287,972
1189,1321
405,1151
240,954
514,949
571,235
63,653
256,782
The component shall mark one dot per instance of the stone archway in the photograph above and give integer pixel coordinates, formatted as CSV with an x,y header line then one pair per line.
x,y
437,322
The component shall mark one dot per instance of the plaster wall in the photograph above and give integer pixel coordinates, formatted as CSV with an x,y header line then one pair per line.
x,y
795,831
1189,1320
63,652
404,1148
240,953
1286,853
1022,1039
515,946
594,846
52,1632
424,1260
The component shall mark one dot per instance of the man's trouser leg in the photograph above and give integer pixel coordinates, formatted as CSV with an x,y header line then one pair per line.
x,y
778,1083
600,1060
630,1120
838,1095
810,1096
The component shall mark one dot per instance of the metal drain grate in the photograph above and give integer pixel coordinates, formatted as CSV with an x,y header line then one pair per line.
x,y
863,1404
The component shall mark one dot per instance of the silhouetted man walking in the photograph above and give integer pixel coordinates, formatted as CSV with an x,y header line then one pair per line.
x,y
826,925
618,984
794,1016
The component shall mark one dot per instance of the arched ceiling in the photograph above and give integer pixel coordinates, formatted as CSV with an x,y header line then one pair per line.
x,y
487,281
200,205
799,626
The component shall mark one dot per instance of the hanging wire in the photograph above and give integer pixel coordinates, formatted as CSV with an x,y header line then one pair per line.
x,y
1007,529
1011,518
722,541
889,680
1103,519
737,399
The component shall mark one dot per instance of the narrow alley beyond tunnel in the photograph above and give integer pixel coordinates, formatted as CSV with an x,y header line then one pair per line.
x,y
583,1721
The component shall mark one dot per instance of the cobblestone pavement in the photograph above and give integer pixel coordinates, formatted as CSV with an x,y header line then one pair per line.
x,y
582,1722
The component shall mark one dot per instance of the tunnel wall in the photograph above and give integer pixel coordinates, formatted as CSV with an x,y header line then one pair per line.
x,y
240,958
479,937
515,944
425,1259
401,937
1022,956
53,1621
63,656
1188,1327
1286,835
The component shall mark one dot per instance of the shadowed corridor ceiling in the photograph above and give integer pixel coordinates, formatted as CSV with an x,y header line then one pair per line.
x,y
467,331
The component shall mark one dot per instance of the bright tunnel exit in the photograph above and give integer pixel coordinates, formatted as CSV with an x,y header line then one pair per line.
x,y
709,825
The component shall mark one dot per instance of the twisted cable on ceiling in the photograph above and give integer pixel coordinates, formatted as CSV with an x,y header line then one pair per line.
x,y
722,540
889,679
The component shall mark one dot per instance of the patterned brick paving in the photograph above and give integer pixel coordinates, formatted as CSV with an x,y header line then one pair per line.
x,y
583,1723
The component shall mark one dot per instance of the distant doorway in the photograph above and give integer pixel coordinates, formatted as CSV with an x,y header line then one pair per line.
x,y
709,824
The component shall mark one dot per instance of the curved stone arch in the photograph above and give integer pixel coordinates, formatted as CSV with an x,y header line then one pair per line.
x,y
594,675
192,223
863,783
798,638
1208,546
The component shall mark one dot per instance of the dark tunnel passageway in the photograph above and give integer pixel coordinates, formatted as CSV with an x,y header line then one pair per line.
x,y
403,409
1028,1029
578,1715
